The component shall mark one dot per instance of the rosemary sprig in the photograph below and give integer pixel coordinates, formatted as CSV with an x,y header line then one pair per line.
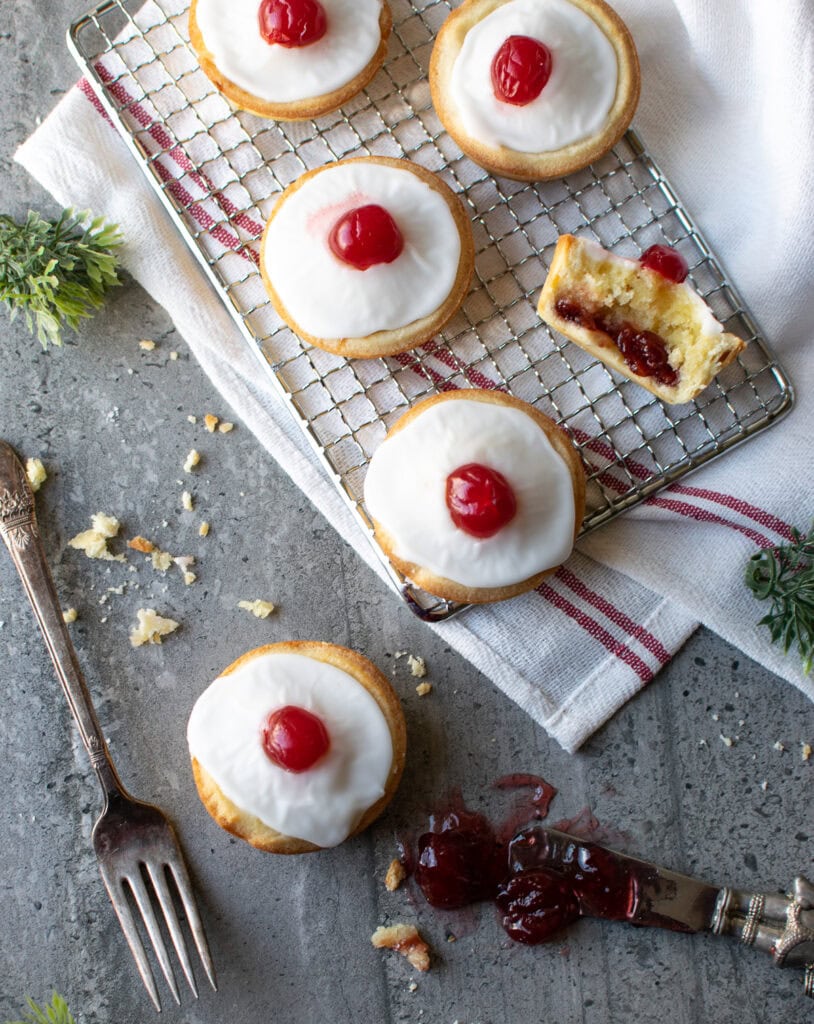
x,y
785,576
56,1013
56,273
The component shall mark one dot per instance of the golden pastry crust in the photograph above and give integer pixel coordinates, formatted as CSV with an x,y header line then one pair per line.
x,y
248,827
450,590
297,110
511,163
650,302
386,343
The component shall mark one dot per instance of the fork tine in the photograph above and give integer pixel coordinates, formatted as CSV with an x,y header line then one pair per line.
x,y
159,881
184,886
119,900
142,899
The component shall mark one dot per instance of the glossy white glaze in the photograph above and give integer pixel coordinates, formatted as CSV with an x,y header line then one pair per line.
x,y
329,299
575,101
322,805
405,491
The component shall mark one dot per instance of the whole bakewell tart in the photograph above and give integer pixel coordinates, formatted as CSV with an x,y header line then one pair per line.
x,y
475,496
297,746
290,60
367,257
639,317
534,89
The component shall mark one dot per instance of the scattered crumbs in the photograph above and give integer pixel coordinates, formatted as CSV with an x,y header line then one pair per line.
x,y
404,939
225,427
113,415
146,344
141,544
189,577
116,590
741,722
192,419
151,627
161,560
727,741
417,665
716,717
452,937
423,689
399,654
164,523
210,422
35,471
130,370
103,618
186,501
737,695
261,609
94,541
395,875
806,751
70,615
173,355
192,461
203,529
412,987
764,785
779,746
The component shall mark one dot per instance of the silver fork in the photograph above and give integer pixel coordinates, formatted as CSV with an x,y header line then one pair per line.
x,y
134,842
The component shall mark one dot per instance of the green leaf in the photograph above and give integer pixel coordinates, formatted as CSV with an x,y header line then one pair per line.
x,y
55,1013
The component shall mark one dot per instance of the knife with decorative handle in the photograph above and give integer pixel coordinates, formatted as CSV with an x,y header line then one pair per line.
x,y
647,895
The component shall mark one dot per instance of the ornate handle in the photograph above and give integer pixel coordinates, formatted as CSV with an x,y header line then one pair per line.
x,y
18,528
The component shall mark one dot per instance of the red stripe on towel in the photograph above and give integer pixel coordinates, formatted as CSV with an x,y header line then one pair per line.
x,y
702,515
759,515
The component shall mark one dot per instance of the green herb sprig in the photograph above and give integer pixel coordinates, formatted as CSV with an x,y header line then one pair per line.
x,y
56,1013
785,576
57,273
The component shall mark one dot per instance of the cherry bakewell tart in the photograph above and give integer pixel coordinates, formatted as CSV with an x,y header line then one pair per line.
x,y
639,317
367,257
534,89
289,60
475,495
297,746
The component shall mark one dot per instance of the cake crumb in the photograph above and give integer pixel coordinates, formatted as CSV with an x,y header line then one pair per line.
x,y
192,461
261,609
151,627
146,344
764,785
418,666
779,746
806,751
70,615
727,741
161,560
225,427
203,529
210,422
423,689
192,419
35,471
94,541
395,875
404,939
412,987
189,577
173,355
186,501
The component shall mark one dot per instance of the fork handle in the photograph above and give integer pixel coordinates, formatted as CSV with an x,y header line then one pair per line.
x,y
18,528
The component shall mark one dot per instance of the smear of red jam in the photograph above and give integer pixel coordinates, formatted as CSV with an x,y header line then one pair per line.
x,y
520,70
643,351
460,861
365,237
535,905
480,500
665,261
294,738
292,23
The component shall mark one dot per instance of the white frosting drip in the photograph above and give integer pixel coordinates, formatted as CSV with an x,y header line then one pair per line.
x,y
405,491
575,101
329,299
279,74
324,804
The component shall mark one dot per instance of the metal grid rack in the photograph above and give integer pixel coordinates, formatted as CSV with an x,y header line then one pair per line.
x,y
219,171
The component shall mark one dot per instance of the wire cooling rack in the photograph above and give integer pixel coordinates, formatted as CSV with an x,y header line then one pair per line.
x,y
219,171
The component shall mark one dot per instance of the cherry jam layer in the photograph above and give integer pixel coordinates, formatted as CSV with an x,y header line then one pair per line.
x,y
645,352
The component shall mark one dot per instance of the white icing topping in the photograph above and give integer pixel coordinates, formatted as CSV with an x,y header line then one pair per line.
x,y
575,101
323,804
279,74
405,492
330,299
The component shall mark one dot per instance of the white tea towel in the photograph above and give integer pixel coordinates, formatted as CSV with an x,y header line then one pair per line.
x,y
728,110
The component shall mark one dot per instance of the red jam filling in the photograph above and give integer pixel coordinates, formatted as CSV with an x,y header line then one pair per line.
x,y
535,905
292,22
460,861
294,739
366,236
665,261
520,70
644,351
480,500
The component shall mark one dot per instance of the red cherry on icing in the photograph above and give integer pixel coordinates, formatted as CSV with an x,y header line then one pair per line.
x,y
292,22
294,739
480,500
366,236
520,70
665,261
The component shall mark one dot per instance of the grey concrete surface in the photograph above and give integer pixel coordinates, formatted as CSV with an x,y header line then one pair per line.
x,y
291,936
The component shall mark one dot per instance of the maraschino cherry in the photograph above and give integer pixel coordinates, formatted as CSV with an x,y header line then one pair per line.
x,y
665,261
520,70
480,500
365,237
292,22
294,738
